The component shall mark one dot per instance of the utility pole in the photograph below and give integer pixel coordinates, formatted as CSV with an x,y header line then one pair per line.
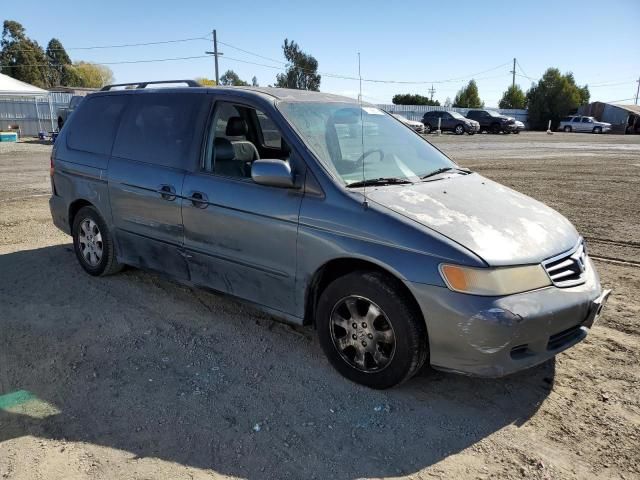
x,y
513,81
638,90
215,54
432,91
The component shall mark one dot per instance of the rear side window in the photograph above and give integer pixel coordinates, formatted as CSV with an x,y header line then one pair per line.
x,y
158,129
94,124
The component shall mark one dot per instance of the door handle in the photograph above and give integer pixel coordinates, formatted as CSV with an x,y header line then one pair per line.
x,y
167,192
199,199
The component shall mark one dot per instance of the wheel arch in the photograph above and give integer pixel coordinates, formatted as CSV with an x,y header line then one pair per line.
x,y
75,207
339,267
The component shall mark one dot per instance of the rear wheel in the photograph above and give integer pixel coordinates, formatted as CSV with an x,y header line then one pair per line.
x,y
567,128
369,330
93,244
459,130
427,128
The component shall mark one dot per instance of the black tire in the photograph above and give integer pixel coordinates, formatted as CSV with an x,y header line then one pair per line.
x,y
107,263
427,128
60,123
495,128
597,129
516,132
459,129
410,349
567,128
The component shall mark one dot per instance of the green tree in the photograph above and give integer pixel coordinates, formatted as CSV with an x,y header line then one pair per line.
x,y
231,78
60,71
468,97
413,99
553,97
302,69
93,75
514,97
21,57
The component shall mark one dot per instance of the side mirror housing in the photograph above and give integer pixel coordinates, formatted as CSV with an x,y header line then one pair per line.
x,y
274,173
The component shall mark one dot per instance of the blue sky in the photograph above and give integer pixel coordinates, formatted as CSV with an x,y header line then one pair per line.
x,y
402,41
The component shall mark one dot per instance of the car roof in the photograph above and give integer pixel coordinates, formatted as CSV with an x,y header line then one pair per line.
x,y
267,93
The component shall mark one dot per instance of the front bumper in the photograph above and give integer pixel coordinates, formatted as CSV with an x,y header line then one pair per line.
x,y
473,128
497,336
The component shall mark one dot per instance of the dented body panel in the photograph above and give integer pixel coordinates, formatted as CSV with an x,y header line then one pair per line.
x,y
502,226
480,335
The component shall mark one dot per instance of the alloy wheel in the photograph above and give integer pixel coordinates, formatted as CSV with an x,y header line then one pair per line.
x,y
362,334
90,241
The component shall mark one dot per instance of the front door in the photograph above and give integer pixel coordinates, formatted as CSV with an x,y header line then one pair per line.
x,y
240,237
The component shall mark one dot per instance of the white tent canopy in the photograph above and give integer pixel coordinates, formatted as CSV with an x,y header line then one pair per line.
x,y
10,87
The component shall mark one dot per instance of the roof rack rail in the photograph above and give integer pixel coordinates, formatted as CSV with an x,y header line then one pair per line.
x,y
136,85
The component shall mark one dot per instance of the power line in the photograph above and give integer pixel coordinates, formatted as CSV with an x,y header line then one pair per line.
x,y
125,45
251,53
115,63
617,101
521,69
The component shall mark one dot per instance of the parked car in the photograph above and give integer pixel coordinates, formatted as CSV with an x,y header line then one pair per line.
x,y
417,126
519,126
449,121
393,252
578,123
64,112
492,121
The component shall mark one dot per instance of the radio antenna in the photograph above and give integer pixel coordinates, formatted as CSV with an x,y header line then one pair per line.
x,y
365,204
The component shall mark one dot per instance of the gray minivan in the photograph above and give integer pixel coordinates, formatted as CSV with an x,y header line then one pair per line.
x,y
326,212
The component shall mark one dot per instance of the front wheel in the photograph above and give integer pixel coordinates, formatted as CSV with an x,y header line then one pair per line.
x,y
427,128
369,330
459,130
93,244
597,129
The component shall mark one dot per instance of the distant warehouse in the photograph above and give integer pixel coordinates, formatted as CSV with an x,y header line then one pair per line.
x,y
623,118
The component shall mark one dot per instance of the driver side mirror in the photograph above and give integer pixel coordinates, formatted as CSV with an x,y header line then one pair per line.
x,y
274,173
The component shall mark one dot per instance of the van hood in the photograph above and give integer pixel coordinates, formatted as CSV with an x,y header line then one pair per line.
x,y
500,225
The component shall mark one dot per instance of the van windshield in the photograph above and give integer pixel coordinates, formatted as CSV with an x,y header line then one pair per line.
x,y
350,140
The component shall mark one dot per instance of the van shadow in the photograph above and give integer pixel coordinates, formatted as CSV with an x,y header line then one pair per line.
x,y
137,363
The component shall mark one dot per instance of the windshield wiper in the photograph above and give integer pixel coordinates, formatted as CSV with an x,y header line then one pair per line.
x,y
379,181
443,170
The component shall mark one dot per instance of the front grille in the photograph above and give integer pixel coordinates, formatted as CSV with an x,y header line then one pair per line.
x,y
568,269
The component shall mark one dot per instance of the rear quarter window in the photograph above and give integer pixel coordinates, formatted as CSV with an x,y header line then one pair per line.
x,y
158,129
94,124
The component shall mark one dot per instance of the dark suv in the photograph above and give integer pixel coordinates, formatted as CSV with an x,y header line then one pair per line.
x,y
493,121
449,122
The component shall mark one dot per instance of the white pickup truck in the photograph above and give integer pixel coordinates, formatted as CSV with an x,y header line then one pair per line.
x,y
580,123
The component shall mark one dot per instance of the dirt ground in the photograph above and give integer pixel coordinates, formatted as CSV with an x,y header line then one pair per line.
x,y
136,377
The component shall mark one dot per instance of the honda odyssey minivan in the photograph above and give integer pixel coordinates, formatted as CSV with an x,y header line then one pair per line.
x,y
324,211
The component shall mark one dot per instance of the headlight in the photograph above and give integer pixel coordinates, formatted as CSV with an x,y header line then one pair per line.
x,y
494,281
